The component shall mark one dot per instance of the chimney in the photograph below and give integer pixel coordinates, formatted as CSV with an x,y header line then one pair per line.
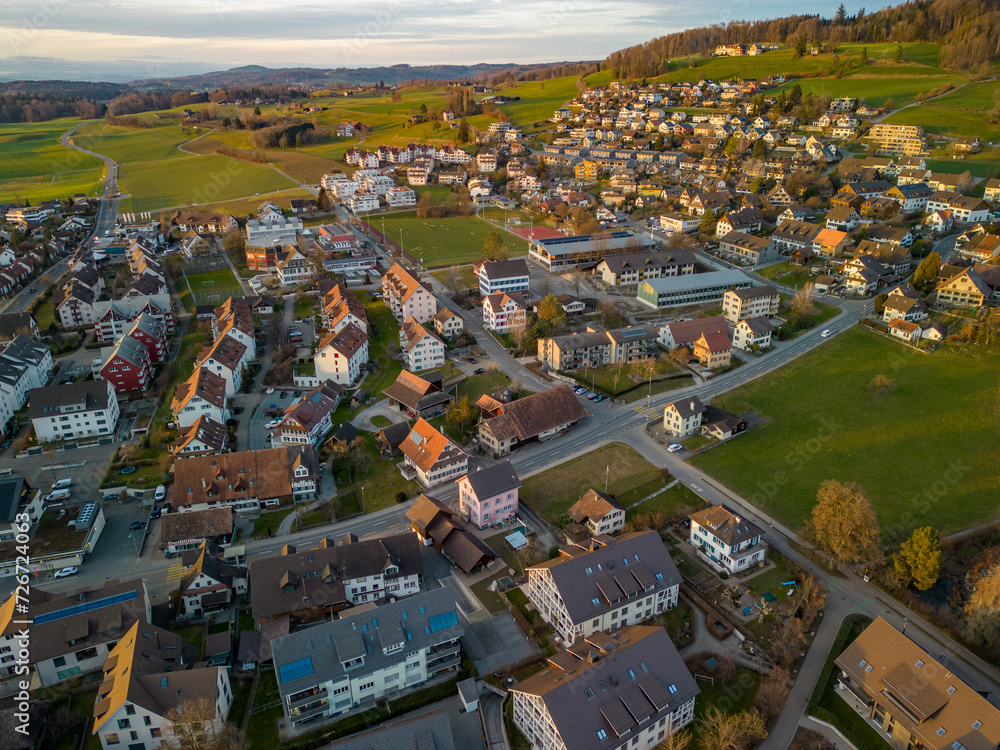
x,y
203,484
692,405
738,519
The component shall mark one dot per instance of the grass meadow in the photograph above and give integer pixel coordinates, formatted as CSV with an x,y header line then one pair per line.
x,y
440,242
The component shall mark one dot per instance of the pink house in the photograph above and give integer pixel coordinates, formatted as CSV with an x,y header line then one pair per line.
x,y
489,496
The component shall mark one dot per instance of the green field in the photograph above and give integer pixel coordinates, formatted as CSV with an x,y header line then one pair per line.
x,y
190,180
902,88
926,453
963,112
539,99
49,186
126,145
209,288
438,242
35,166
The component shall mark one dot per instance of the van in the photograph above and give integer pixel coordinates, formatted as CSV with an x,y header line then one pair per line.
x,y
57,495
62,484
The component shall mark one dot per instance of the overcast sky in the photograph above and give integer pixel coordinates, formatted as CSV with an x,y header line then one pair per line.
x,y
333,33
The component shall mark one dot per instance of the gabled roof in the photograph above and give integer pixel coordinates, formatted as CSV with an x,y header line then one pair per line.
x,y
687,407
493,480
726,525
426,446
529,416
415,392
197,524
593,505
504,269
413,332
204,430
228,477
498,300
204,384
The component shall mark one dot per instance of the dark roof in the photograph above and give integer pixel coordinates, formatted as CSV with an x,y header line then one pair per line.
x,y
425,732
49,400
12,324
726,525
527,417
416,392
346,433
467,551
493,480
10,497
396,433
686,407
502,269
197,524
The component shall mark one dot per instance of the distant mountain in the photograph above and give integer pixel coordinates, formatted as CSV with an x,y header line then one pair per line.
x,y
24,68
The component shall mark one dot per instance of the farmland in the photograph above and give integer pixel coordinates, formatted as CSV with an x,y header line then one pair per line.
x,y
963,112
35,166
824,424
127,145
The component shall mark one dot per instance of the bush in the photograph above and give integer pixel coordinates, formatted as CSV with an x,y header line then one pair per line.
x,y
553,551
400,497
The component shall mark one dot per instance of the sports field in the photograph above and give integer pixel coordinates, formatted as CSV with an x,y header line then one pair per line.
x,y
439,243
209,288
192,180
925,453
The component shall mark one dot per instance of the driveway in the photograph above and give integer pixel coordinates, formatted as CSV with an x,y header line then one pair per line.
x,y
363,421
496,642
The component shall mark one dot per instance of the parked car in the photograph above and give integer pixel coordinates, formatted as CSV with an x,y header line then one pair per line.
x,y
63,483
136,525
269,391
272,424
591,396
161,492
66,572
57,495
674,447
283,394
479,371
155,513
600,397
471,360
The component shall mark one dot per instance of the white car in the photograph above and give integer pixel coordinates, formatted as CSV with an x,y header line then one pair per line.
x,y
67,572
674,447
62,484
161,492
826,333
269,391
272,424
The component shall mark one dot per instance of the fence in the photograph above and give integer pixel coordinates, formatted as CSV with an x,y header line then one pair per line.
x,y
391,246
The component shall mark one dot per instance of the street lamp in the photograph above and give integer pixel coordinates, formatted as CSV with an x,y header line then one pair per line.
x,y
362,498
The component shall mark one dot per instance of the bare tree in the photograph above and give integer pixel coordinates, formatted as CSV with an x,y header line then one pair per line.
x,y
802,302
194,725
772,694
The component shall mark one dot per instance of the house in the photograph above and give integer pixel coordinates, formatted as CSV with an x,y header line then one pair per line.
x,y
489,495
151,335
540,416
228,359
900,236
201,223
340,356
728,542
338,666
448,324
598,512
310,584
406,297
794,235
686,332
968,210
683,417
992,189
113,319
68,640
310,418
73,411
911,696
145,685
594,348
712,350
640,689
717,424
418,396
341,307
751,302
879,209
604,584
904,329
962,288
246,480
421,349
502,276
911,198
293,267
747,220
982,250
435,523
208,583
843,219
429,457
503,312
24,364
399,197
753,334
699,288
125,365
188,531
203,394
631,268
748,249
74,305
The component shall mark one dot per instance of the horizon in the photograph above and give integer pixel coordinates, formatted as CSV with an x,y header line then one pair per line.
x,y
112,39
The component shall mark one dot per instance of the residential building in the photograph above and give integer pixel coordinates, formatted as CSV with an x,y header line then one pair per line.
x,y
228,359
683,417
637,683
962,288
631,268
728,542
968,210
540,416
502,275
73,411
431,730
209,583
904,329
247,480
145,685
912,698
686,332
341,665
418,396
293,267
406,297
747,220
598,512
753,334
843,219
982,250
125,365
448,324
605,584
430,458
203,437
911,198
399,197
503,312
113,319
278,231
340,307
188,531
309,419
830,243
74,305
593,348
311,584
203,394
897,140
712,350
24,364
748,249
67,639
149,332
421,349
750,302
435,523
489,495
699,288
561,252
340,356
202,223
794,235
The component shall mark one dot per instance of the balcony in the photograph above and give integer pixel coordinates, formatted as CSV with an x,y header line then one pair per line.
x,y
407,471
301,699
435,667
309,712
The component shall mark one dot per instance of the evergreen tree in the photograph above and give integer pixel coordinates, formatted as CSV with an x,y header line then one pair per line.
x,y
841,14
864,55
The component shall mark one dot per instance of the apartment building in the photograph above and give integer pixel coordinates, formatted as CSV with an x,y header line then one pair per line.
x,y
577,351
751,302
340,356
490,495
422,350
406,297
502,276
73,411
201,395
503,312
897,140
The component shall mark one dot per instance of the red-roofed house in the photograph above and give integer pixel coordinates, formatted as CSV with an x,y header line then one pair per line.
x,y
431,458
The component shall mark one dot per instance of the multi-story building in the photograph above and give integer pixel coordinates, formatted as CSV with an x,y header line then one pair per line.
x,y
309,419
751,302
310,584
539,416
729,542
201,395
503,312
73,410
113,319
72,632
341,307
203,437
398,197
598,512
406,297
246,480
125,365
227,358
429,457
898,140
693,289
963,288
74,305
631,268
577,351
294,268
202,223
502,276
421,349
683,417
489,496
278,231
145,686
607,585
363,201
911,697
448,324
339,666
24,364
340,356
752,334
555,253
625,691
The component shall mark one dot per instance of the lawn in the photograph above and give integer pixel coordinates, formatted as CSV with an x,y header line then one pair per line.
x,y
771,580
299,166
437,243
128,145
902,86
466,278
377,486
489,599
926,453
45,314
731,696
244,207
269,522
964,112
475,386
658,386
603,379
209,287
386,330
539,99
35,166
60,185
677,501
787,274
262,729
552,492
194,180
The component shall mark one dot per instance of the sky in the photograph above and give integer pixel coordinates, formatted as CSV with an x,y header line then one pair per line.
x,y
165,36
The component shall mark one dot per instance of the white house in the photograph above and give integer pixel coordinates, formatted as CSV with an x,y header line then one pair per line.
x,y
683,417
340,355
74,410
728,541
504,312
201,395
421,349
752,334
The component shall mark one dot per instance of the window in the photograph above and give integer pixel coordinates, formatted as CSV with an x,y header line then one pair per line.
x,y
951,689
124,723
919,664
672,688
940,732
59,661
976,724
111,739
595,601
589,692
868,668
601,734
130,710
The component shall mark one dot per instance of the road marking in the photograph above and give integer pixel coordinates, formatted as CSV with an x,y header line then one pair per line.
x,y
175,572
395,525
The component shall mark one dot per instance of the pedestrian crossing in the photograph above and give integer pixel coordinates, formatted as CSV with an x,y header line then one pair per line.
x,y
175,572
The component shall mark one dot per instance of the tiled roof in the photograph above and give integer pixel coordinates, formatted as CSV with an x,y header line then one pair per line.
x,y
426,446
529,416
